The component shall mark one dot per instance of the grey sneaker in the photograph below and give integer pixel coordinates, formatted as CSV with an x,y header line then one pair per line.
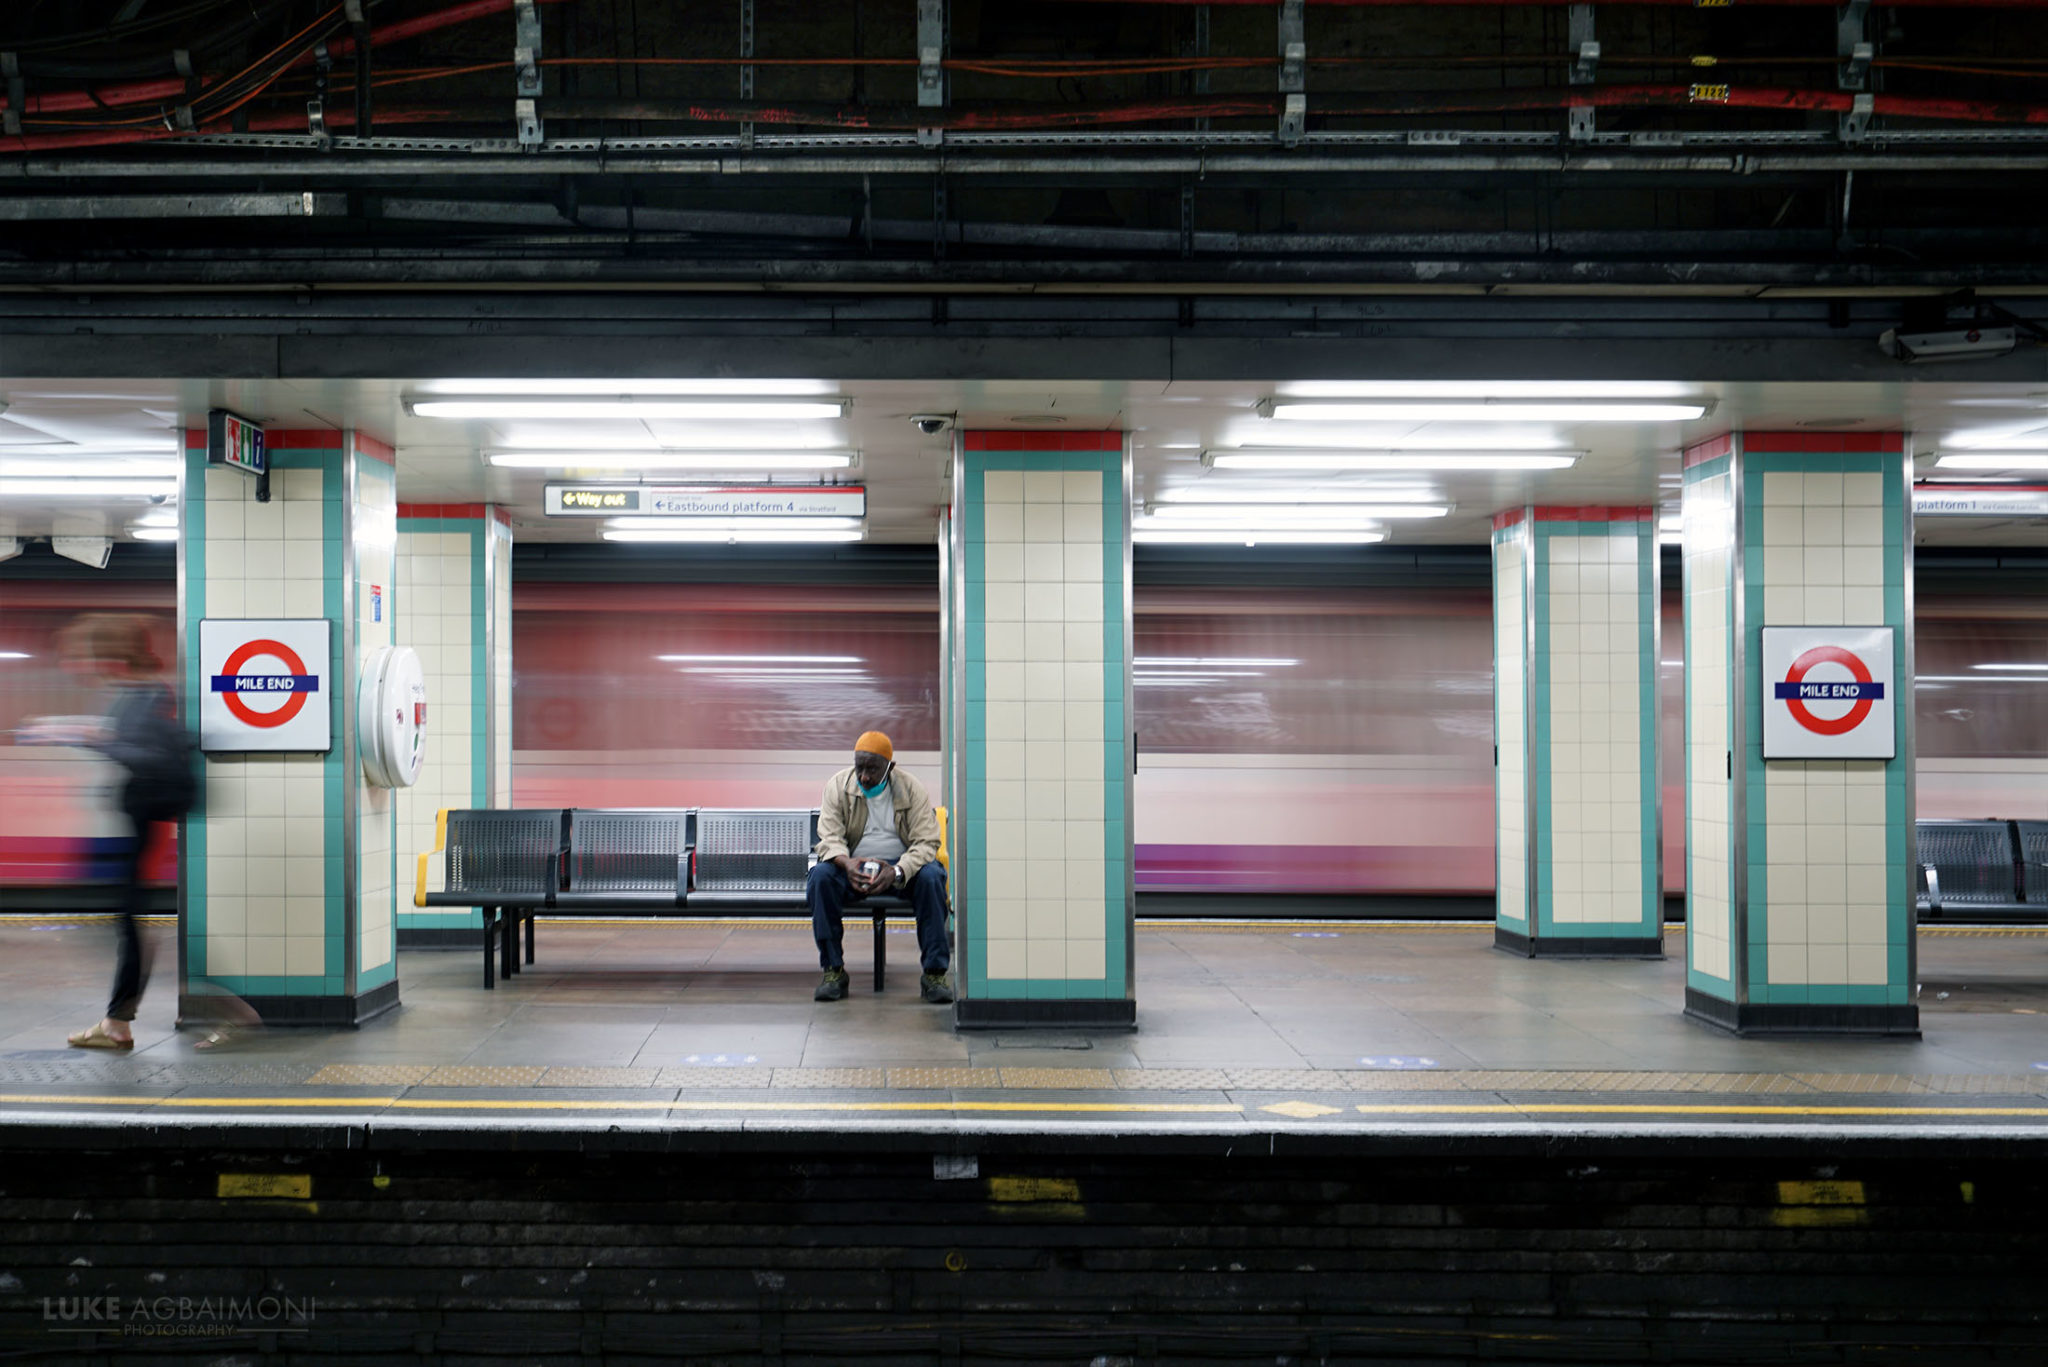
x,y
935,989
831,987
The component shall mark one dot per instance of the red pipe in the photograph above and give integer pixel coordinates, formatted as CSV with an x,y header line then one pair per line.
x,y
171,87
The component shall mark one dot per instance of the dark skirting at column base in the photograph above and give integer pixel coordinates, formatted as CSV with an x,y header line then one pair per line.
x,y
1579,946
1751,1020
1088,1013
439,937
284,1010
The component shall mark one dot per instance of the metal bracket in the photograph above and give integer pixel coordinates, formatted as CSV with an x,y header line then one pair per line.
x,y
1293,73
746,68
1187,220
316,120
931,70
526,47
1580,121
1579,34
1852,44
526,66
1855,125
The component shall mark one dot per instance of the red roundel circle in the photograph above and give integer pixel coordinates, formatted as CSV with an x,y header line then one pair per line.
x,y
1823,726
294,704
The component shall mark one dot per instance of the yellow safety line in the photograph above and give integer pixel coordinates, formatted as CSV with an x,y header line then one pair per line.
x,y
1072,1107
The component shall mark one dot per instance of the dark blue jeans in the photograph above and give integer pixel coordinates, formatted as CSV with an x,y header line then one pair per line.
x,y
828,892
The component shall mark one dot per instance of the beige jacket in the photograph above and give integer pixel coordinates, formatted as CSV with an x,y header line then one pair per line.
x,y
843,819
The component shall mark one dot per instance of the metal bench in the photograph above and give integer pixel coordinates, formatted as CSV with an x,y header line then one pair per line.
x,y
1977,868
516,865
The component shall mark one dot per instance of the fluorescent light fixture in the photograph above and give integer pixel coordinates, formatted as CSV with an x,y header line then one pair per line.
x,y
49,465
15,655
1228,493
716,536
2042,666
87,488
728,409
1293,514
157,517
1487,389
2034,438
671,460
762,659
154,533
1977,678
1998,460
1671,522
1206,661
1287,458
1479,410
1224,536
735,524
611,389
1201,674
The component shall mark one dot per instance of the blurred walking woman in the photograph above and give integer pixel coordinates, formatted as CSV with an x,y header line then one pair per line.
x,y
139,730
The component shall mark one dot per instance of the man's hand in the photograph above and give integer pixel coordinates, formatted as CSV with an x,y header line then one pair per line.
x,y
883,880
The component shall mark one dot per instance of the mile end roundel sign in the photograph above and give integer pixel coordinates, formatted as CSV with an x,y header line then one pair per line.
x,y
265,684
1829,693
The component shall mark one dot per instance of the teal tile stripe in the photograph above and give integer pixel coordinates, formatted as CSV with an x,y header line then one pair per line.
x,y
371,470
1723,989
478,530
1647,920
1541,827
969,891
1516,919
330,981
1901,914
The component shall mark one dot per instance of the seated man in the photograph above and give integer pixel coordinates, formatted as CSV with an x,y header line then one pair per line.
x,y
878,832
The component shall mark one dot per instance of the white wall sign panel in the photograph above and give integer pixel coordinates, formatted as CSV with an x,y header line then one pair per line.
x,y
706,500
1829,693
265,685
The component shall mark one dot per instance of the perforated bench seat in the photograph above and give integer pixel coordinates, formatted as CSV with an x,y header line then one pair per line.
x,y
1982,868
658,861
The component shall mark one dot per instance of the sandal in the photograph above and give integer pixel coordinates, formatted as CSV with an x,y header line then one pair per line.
x,y
98,1038
218,1037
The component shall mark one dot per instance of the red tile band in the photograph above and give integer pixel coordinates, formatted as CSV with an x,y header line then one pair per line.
x,y
1826,443
1594,514
1512,517
1711,449
476,510
1042,441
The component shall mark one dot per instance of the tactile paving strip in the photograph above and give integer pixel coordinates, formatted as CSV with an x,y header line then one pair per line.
x,y
600,1077
370,1075
472,1075
711,1075
828,1077
910,1079
1085,1079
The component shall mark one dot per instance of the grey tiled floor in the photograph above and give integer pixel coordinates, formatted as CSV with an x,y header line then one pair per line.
x,y
694,994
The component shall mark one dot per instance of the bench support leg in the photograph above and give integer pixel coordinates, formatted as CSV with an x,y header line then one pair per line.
x,y
490,932
508,943
881,947
529,937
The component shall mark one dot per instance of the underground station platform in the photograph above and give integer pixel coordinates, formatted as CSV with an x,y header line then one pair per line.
x,y
1323,1141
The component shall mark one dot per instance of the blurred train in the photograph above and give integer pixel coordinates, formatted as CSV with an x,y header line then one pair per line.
x,y
1293,738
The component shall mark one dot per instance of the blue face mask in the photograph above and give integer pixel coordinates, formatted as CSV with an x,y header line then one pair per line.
x,y
877,790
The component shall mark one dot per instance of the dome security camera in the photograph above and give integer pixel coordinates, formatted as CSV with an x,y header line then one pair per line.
x,y
931,424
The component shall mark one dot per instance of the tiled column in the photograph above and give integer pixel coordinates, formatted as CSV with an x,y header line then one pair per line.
x,y
1575,686
1798,888
1038,587
454,608
286,879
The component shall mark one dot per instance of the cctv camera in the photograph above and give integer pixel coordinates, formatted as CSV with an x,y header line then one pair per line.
x,y
931,424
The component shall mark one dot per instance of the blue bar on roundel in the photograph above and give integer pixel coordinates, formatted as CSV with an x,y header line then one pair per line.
x,y
265,683
1847,691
